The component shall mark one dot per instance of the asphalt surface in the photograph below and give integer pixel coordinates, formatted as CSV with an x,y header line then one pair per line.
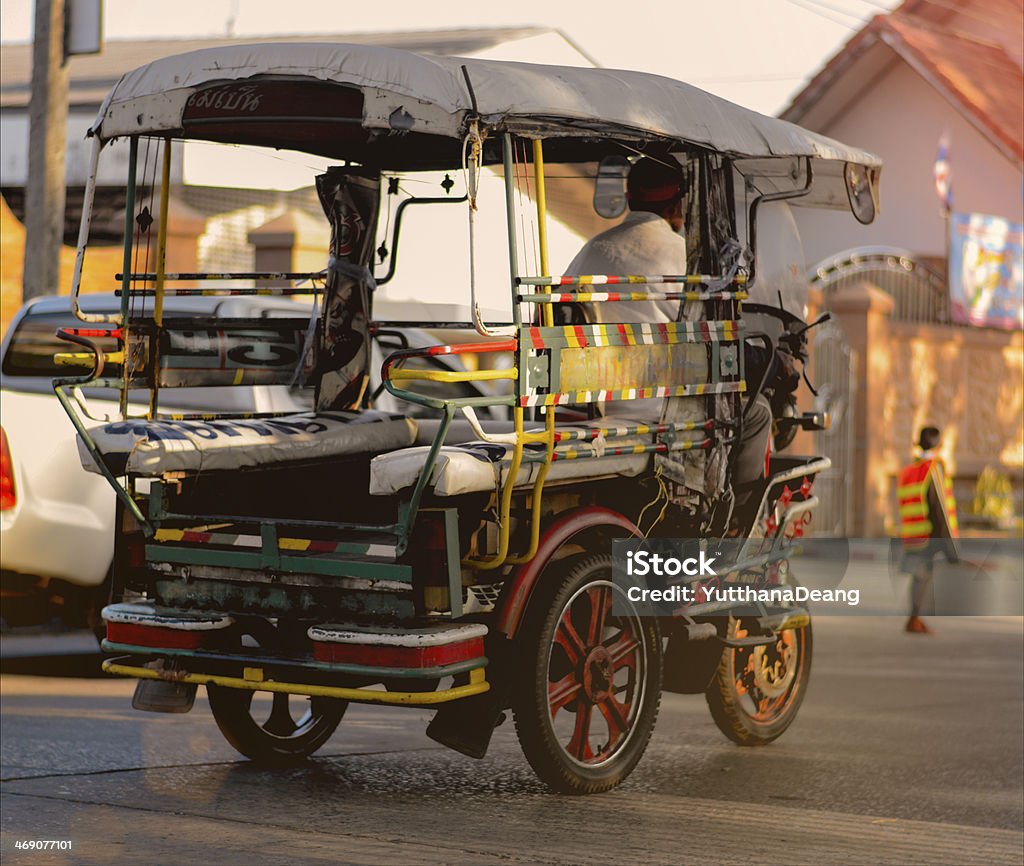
x,y
908,749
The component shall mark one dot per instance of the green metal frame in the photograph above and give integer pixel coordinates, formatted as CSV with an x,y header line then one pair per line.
x,y
537,353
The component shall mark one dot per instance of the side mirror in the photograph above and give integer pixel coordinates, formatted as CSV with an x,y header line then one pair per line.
x,y
610,187
860,193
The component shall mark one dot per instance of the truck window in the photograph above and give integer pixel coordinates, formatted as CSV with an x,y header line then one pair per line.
x,y
35,342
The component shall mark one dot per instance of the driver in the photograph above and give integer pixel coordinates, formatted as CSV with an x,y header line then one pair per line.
x,y
648,241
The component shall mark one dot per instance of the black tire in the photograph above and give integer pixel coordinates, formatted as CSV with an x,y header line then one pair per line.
x,y
569,635
753,699
296,725
280,740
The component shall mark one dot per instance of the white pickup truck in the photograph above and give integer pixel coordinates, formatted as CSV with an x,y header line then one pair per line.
x,y
56,519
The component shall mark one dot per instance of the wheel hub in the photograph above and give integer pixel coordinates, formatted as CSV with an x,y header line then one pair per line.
x,y
774,670
597,674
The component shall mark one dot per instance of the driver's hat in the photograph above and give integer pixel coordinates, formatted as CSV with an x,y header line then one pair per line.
x,y
653,181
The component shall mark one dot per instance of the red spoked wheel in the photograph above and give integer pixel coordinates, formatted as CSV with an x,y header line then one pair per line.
x,y
757,691
590,684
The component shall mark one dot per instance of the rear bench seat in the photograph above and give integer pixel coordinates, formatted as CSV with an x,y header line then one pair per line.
x,y
472,467
151,448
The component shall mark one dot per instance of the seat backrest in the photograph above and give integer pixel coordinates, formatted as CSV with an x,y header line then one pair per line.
x,y
568,364
207,352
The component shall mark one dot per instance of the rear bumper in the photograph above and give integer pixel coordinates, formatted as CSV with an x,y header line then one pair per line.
x,y
255,679
348,661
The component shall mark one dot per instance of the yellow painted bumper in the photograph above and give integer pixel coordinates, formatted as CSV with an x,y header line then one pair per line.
x,y
254,681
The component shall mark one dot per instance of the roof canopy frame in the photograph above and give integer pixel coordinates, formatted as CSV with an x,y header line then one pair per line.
x,y
407,93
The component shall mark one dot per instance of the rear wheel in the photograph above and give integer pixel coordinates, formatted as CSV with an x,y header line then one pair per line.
x,y
288,729
291,729
757,691
587,694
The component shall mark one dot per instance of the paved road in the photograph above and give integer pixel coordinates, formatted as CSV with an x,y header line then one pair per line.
x,y
908,750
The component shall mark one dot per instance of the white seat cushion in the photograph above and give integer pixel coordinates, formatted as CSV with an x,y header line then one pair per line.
x,y
480,466
151,448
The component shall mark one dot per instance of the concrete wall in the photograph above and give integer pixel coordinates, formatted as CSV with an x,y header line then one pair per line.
x,y
969,382
901,118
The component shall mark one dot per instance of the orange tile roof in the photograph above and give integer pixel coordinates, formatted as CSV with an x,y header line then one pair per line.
x,y
978,76
986,82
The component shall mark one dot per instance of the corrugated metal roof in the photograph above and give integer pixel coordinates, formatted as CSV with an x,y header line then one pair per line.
x,y
92,76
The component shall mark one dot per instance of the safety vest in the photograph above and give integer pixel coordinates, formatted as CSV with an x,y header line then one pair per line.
x,y
915,522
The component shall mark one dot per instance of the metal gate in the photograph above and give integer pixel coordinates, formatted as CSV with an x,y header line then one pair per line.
x,y
833,366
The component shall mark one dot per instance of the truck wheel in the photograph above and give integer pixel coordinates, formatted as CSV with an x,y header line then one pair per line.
x,y
293,729
757,691
589,686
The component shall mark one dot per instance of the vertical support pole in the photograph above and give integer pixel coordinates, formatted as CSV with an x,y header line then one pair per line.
x,y
126,266
45,186
161,238
451,538
409,510
547,314
270,551
547,319
501,557
161,269
84,227
510,219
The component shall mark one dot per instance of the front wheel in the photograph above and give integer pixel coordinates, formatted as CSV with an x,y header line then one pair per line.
x,y
757,691
587,693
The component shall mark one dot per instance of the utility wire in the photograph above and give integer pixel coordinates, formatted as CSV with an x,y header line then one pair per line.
x,y
827,10
952,5
857,16
745,79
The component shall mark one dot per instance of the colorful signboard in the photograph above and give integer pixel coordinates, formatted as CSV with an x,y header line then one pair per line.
x,y
986,271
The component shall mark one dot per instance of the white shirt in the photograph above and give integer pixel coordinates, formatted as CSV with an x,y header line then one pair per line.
x,y
643,243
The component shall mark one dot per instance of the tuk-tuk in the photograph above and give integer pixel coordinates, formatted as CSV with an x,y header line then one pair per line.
x,y
438,558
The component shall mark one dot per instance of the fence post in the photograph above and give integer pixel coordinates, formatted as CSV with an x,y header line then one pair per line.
x,y
863,310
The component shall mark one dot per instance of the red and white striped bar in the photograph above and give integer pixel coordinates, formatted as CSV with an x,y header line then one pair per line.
x,y
595,297
304,545
636,334
637,430
611,280
203,293
633,394
621,450
234,275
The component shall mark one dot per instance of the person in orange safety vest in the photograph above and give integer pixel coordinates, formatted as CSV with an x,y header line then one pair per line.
x,y
928,524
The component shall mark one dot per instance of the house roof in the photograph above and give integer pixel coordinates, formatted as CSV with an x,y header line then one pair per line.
x,y
976,75
93,75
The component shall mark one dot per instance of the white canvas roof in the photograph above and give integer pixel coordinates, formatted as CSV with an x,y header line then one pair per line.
x,y
432,93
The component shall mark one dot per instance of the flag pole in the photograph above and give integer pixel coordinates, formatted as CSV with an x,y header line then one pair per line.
x,y
944,189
